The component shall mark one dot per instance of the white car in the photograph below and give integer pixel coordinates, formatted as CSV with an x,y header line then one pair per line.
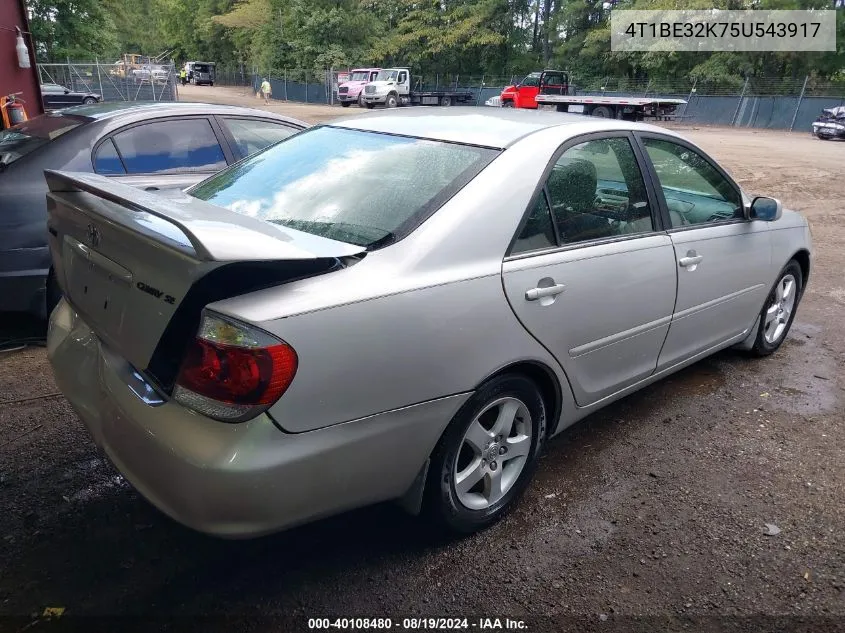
x,y
156,73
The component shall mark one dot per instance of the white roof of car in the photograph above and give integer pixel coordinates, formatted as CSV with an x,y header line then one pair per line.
x,y
482,125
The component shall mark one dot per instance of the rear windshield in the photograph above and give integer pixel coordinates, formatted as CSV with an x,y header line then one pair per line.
x,y
19,140
358,187
201,68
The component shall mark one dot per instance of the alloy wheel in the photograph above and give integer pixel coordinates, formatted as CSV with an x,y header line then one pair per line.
x,y
778,313
493,453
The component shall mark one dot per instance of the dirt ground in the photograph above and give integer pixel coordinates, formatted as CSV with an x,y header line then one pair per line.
x,y
649,515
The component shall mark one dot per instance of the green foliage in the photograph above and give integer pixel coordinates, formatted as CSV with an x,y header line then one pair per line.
x,y
466,37
72,29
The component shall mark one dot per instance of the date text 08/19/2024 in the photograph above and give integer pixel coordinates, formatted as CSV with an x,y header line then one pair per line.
x,y
418,623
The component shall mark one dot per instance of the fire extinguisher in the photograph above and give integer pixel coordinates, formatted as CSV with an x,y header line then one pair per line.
x,y
12,110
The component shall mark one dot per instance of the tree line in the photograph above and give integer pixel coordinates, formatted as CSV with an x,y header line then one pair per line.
x,y
467,37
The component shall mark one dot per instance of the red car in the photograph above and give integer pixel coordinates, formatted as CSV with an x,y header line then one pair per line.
x,y
523,94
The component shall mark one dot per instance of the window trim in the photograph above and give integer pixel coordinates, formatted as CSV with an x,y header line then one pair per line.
x,y
215,128
658,189
657,217
116,151
230,139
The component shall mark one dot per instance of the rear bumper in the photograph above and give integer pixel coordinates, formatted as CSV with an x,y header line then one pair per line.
x,y
23,279
237,480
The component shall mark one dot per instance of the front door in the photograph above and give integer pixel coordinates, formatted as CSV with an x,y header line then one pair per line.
x,y
720,255
527,91
592,275
403,83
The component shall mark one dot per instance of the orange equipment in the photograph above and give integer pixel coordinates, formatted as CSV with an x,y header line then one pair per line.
x,y
12,110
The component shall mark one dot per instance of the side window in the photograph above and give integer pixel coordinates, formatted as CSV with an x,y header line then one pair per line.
x,y
531,80
596,191
166,147
107,162
252,135
538,232
695,192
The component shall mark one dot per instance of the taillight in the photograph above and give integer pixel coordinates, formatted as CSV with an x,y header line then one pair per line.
x,y
232,371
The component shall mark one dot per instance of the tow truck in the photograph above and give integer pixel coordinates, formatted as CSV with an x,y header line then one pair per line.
x,y
392,88
551,89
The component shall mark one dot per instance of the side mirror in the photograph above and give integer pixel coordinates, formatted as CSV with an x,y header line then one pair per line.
x,y
766,209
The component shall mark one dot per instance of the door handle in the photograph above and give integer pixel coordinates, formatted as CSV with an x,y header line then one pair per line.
x,y
691,260
538,293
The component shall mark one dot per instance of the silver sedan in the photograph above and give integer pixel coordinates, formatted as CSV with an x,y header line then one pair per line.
x,y
404,305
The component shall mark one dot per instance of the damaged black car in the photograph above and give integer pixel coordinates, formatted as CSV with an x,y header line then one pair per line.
x,y
830,124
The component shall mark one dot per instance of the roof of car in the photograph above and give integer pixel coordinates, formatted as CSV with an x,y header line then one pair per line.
x,y
146,109
486,126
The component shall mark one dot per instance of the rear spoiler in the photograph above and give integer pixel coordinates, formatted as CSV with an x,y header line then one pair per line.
x,y
212,233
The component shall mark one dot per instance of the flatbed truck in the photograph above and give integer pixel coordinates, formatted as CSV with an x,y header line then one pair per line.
x,y
550,89
392,88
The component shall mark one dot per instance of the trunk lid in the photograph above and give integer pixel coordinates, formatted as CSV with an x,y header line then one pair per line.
x,y
140,267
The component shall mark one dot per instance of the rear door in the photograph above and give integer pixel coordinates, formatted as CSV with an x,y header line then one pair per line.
x,y
591,274
722,258
172,153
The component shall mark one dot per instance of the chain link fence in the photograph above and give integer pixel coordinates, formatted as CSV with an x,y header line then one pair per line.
x,y
791,103
115,82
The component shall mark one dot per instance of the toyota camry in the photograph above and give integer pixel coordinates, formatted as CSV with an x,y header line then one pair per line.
x,y
401,306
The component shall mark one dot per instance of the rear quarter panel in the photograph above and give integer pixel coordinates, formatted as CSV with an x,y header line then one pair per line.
x,y
363,358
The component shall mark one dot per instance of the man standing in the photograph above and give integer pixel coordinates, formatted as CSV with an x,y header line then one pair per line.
x,y
266,90
183,76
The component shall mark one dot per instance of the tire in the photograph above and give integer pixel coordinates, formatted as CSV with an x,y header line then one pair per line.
x,y
479,505
603,112
345,104
391,101
211,83
361,103
89,100
507,104
778,310
445,101
370,106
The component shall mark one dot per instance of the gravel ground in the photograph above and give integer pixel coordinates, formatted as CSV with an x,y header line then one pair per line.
x,y
650,515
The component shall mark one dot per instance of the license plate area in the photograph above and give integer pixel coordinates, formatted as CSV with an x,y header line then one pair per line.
x,y
96,286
